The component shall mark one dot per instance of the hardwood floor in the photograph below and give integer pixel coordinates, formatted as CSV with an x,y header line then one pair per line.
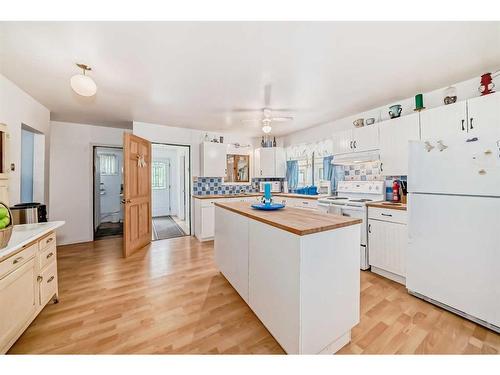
x,y
170,298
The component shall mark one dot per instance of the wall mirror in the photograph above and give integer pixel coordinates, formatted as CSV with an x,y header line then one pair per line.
x,y
237,168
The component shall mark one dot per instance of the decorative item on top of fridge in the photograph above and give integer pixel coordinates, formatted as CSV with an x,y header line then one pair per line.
x,y
359,123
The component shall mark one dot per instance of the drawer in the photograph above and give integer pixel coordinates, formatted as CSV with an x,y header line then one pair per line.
x,y
17,260
47,255
307,203
48,283
46,241
387,214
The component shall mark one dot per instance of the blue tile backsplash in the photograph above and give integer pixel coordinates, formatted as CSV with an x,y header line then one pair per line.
x,y
215,186
369,172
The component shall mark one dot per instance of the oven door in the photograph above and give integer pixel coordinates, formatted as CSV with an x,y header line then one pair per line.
x,y
357,213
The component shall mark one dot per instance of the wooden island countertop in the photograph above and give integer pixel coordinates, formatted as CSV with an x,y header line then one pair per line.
x,y
294,220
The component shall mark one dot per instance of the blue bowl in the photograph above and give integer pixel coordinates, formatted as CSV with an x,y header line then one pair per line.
x,y
268,207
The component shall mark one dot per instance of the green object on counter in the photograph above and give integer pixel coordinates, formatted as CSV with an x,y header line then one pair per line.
x,y
419,102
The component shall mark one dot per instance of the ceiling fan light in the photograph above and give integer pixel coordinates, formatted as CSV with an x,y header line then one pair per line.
x,y
267,129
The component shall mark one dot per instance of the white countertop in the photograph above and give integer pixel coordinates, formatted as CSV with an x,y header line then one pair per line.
x,y
26,233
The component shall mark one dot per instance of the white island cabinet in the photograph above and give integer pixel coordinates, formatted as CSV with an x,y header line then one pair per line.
x,y
28,278
298,271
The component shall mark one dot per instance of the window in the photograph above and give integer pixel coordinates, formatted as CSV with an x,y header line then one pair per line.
x,y
109,164
158,175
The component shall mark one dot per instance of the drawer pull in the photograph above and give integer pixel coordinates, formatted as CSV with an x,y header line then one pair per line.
x,y
39,279
50,279
50,239
49,255
387,215
17,260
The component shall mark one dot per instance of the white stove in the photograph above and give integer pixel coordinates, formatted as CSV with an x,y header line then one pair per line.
x,y
351,200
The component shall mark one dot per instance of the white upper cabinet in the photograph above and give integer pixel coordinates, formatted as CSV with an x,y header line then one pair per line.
x,y
474,117
484,115
394,137
342,142
269,162
365,138
444,121
212,159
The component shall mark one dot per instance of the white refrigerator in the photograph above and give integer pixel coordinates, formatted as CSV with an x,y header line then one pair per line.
x,y
453,255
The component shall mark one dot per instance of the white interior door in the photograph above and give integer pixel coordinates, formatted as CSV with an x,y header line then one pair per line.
x,y
182,188
97,190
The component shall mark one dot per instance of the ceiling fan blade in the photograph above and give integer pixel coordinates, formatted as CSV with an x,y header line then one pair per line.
x,y
281,119
246,110
251,120
267,95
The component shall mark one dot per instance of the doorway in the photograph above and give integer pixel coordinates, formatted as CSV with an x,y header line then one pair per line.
x,y
108,191
170,183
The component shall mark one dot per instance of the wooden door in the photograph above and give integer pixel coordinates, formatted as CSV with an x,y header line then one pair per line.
x,y
137,193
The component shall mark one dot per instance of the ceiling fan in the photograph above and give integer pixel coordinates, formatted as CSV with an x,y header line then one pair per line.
x,y
267,117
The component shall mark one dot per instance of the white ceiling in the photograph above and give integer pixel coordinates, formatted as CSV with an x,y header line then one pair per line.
x,y
194,74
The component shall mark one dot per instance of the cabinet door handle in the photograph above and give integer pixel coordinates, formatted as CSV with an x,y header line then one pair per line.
x,y
354,143
463,127
49,255
471,119
381,167
350,145
386,215
50,279
369,228
17,260
39,279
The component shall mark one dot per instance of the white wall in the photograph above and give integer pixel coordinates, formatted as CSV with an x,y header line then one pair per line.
x,y
465,90
71,176
17,108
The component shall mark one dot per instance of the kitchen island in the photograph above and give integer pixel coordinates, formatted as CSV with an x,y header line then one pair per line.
x,y
298,271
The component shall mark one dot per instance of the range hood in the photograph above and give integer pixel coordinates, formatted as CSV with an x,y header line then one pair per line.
x,y
356,158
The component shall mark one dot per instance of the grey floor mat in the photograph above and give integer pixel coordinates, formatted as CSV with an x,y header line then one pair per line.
x,y
165,227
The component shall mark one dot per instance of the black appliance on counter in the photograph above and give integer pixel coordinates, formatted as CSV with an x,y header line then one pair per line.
x,y
29,213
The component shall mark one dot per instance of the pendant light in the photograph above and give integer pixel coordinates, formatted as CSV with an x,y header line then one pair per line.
x,y
82,84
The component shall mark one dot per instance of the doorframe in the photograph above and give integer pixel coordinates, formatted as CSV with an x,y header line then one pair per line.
x,y
189,174
92,166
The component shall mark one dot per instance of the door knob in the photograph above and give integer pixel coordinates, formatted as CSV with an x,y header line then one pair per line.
x,y
441,146
428,146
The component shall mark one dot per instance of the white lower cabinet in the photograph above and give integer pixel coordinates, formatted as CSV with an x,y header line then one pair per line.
x,y
387,243
204,215
28,281
17,300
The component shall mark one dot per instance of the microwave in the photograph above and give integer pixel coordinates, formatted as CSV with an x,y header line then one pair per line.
x,y
275,186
